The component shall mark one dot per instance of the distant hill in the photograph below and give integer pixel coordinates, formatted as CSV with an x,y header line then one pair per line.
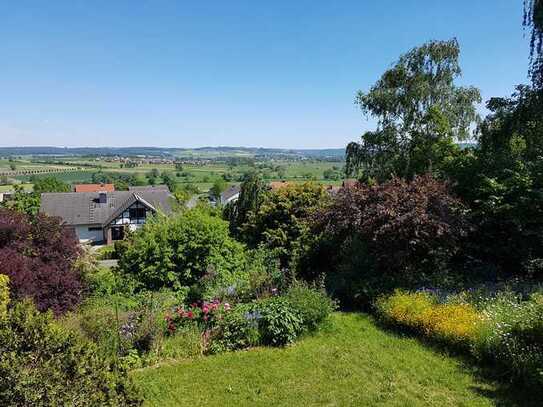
x,y
201,152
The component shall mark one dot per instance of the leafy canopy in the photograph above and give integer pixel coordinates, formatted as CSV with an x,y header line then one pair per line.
x,y
420,113
191,248
533,20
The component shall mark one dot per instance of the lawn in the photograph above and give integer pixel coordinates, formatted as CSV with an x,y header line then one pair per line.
x,y
351,362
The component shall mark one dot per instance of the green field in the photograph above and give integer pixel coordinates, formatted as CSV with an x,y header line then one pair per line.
x,y
202,174
350,363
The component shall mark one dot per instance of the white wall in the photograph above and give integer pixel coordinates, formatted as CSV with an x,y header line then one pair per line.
x,y
83,233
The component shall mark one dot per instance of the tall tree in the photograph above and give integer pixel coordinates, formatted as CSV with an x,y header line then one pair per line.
x,y
420,113
533,20
250,198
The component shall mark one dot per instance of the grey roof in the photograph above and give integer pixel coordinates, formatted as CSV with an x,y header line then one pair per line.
x,y
230,192
83,208
160,187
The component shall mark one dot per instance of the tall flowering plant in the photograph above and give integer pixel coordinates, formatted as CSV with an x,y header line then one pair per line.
x,y
203,313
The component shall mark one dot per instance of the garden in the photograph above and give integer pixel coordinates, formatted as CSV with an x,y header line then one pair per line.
x,y
417,283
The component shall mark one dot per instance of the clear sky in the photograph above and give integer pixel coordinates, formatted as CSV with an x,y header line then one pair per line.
x,y
238,73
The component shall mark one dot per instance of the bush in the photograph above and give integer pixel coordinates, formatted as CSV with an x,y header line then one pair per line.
x,y
190,249
279,220
279,323
313,305
396,234
38,256
237,330
4,295
42,364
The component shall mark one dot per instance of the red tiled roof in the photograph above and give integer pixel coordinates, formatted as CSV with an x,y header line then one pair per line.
x,y
94,188
350,183
278,184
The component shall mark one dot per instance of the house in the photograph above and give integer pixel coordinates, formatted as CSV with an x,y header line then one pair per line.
x,y
105,216
230,195
149,188
6,196
94,188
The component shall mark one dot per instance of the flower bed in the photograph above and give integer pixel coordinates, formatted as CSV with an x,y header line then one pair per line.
x,y
504,330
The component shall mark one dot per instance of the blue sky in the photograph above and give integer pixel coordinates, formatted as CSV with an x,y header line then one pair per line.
x,y
189,74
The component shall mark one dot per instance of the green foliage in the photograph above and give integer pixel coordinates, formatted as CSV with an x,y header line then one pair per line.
x,y
279,323
50,184
28,203
219,186
533,19
281,220
4,295
502,182
237,330
192,248
42,364
250,197
420,113
312,304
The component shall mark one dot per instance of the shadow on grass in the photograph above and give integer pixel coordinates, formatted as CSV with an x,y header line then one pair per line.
x,y
505,391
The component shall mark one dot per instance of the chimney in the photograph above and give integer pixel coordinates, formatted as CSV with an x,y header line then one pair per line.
x,y
102,198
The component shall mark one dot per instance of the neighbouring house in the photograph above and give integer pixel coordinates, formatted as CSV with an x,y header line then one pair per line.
x,y
94,188
149,188
6,196
103,217
231,194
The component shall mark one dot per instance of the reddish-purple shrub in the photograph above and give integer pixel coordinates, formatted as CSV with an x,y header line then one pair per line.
x,y
38,255
402,230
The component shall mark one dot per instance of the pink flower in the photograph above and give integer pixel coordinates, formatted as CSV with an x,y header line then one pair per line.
x,y
190,314
205,309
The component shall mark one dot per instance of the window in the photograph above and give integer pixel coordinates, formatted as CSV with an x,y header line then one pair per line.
x,y
136,213
94,229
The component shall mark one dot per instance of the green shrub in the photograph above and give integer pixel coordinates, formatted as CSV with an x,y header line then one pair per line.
x,y
42,364
4,295
192,249
237,330
312,304
279,323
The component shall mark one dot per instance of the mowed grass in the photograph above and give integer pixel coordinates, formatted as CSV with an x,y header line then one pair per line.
x,y
351,362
